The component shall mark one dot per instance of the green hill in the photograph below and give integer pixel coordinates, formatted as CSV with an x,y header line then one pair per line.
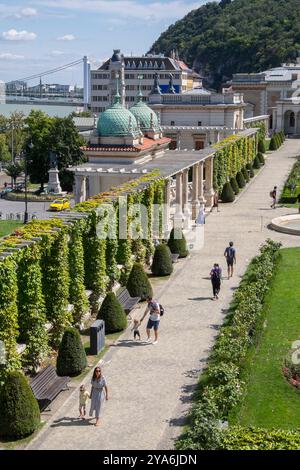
x,y
220,39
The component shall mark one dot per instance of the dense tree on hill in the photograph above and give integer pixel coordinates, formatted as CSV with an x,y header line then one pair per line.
x,y
220,39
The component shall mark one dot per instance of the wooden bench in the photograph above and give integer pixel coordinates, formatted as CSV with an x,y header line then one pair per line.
x,y
127,302
46,385
174,257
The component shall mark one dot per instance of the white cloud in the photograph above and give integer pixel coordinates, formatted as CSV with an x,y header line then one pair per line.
x,y
14,35
8,11
154,10
56,53
28,11
9,56
67,37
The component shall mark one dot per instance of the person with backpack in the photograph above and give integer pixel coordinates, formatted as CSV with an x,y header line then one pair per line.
x,y
216,276
156,311
273,195
230,258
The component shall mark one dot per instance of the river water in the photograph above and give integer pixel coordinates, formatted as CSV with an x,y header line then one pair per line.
x,y
52,110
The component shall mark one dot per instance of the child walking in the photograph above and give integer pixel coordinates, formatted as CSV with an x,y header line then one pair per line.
x,y
83,397
135,329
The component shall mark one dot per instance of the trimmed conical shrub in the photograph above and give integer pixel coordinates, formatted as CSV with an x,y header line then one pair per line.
x,y
261,146
278,141
113,314
162,261
273,145
256,163
234,185
261,158
20,413
249,169
245,175
240,180
138,284
71,359
227,193
177,243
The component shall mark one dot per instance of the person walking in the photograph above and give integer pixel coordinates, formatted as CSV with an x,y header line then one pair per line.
x,y
273,195
230,258
298,199
99,393
216,276
153,308
216,201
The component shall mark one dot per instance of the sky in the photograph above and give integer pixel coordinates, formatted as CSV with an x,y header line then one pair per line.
x,y
39,35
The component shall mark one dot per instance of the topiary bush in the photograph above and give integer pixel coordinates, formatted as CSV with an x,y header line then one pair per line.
x,y
113,314
256,163
71,359
20,414
162,261
249,169
177,243
240,180
138,284
261,146
273,144
261,158
227,193
234,185
245,175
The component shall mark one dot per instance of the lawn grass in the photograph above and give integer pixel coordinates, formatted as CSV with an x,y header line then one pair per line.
x,y
270,402
8,226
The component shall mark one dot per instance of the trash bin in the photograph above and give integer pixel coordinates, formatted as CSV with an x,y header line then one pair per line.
x,y
97,337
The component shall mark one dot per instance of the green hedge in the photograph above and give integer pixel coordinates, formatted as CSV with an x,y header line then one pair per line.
x,y
227,193
220,386
71,359
239,438
113,314
20,414
177,243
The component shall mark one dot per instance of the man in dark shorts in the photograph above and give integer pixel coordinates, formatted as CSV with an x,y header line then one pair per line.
x,y
230,258
154,309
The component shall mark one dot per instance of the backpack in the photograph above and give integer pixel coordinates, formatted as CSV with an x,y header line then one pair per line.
x,y
271,193
161,310
230,252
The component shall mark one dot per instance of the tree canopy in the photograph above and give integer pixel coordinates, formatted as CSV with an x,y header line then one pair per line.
x,y
220,39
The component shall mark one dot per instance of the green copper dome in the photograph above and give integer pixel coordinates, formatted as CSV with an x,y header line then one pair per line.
x,y
117,121
146,116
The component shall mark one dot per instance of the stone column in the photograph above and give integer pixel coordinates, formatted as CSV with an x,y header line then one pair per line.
x,y
179,192
166,213
209,189
195,203
80,188
185,188
201,184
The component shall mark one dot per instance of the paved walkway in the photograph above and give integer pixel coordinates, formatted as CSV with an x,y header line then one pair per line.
x,y
150,386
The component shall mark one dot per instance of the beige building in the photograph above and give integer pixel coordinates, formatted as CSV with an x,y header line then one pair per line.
x,y
197,118
274,92
129,69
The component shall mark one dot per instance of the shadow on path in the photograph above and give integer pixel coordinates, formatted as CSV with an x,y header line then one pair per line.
x,y
66,421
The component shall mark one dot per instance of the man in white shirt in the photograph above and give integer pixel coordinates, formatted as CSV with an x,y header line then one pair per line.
x,y
154,309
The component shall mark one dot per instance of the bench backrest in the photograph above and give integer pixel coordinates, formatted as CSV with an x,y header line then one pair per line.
x,y
43,379
123,296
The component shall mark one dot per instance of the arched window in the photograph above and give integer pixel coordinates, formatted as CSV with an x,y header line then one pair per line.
x,y
292,120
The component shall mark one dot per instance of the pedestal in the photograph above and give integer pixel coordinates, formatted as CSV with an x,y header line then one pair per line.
x,y
54,183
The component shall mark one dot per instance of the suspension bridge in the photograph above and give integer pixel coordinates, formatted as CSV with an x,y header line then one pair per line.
x,y
21,91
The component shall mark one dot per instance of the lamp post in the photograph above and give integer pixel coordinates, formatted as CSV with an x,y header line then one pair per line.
x,y
25,170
